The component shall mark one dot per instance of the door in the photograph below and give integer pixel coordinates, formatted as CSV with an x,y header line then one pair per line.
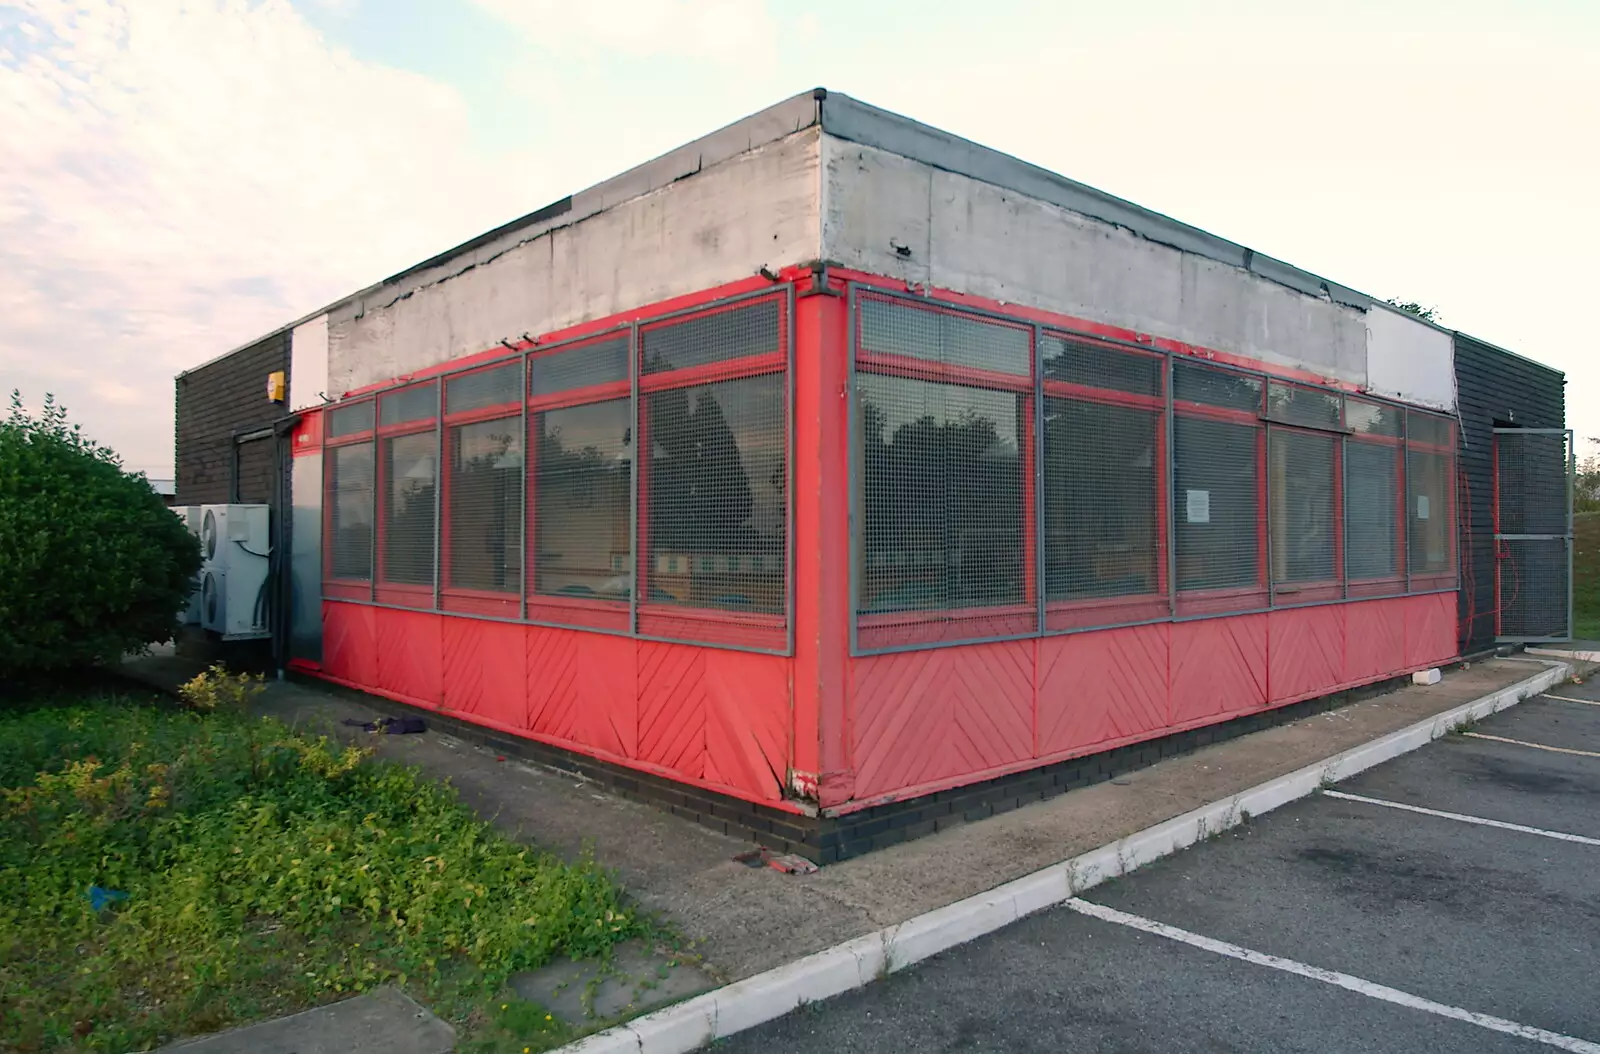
x,y
1533,475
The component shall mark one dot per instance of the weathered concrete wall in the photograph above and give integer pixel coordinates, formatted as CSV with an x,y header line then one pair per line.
x,y
716,224
308,358
890,215
1410,360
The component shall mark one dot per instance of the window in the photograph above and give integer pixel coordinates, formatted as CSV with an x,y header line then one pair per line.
x,y
716,497
1304,547
350,489
485,492
944,462
1372,498
1104,482
408,475
1430,503
1217,456
582,501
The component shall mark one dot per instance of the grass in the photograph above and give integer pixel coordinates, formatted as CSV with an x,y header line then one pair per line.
x,y
266,871
1586,577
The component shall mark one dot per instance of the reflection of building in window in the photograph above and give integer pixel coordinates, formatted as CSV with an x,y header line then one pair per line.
x,y
582,504
351,486
486,506
409,476
717,499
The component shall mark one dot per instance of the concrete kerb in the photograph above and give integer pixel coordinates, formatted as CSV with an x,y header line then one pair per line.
x,y
756,1000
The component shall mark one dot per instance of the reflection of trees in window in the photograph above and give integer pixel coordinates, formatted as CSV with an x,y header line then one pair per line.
x,y
486,506
716,504
942,496
1101,490
581,501
351,488
409,475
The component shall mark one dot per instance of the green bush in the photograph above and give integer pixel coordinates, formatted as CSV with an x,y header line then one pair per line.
x,y
92,564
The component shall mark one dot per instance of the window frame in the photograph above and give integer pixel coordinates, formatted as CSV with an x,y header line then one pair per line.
x,y
403,594
336,588
1053,618
1433,581
464,599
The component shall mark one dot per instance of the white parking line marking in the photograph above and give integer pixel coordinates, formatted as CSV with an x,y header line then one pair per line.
x,y
1535,746
1480,820
1340,980
1569,699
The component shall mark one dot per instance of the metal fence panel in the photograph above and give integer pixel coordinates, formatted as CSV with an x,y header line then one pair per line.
x,y
1534,471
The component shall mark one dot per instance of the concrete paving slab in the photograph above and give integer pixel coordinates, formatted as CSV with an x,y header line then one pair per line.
x,y
383,1021
638,978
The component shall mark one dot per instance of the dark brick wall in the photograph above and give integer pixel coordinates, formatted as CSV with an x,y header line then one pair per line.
x,y
1492,387
213,403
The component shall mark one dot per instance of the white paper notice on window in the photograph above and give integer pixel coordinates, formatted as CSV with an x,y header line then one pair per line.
x,y
1198,506
1422,506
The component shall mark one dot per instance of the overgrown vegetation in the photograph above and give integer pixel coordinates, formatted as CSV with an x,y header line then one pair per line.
x,y
1586,577
92,563
168,871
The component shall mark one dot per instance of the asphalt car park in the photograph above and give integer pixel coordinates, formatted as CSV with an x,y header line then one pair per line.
x,y
1446,901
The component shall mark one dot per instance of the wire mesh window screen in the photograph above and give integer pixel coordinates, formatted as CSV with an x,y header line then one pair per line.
x,y
892,327
718,502
941,474
601,362
582,504
1429,505
1100,366
1301,515
1217,501
1373,419
351,493
495,386
1533,587
485,505
719,335
1212,387
1372,510
1429,429
1302,406
1102,486
415,402
1532,482
409,478
349,420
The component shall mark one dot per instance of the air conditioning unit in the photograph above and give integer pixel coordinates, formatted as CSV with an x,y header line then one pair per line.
x,y
190,515
235,547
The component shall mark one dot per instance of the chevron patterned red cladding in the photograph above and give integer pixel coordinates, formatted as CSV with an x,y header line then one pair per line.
x,y
917,720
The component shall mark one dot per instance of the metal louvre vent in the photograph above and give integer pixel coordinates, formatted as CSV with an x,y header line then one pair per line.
x,y
410,475
717,486
1372,510
941,474
1102,488
732,332
1100,366
485,504
1217,483
350,420
892,327
350,485
415,402
600,362
582,501
495,386
1302,506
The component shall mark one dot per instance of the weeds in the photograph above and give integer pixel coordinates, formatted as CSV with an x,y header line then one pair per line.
x,y
265,871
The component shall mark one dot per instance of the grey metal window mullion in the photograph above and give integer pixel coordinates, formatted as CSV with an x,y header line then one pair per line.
x,y
1170,472
1572,531
634,548
524,565
1041,589
377,451
789,574
438,495
1405,490
1342,520
1266,505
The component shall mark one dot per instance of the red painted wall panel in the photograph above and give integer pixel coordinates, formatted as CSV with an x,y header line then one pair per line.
x,y
1219,667
581,688
1099,687
1430,629
410,654
350,642
1305,651
485,670
926,716
1375,640
672,707
747,722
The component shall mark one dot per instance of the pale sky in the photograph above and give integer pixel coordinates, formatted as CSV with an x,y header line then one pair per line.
x,y
178,177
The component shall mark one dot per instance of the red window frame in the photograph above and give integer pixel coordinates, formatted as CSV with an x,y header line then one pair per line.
x,y
559,609
462,600
934,626
347,588
756,630
1319,590
400,594
1102,611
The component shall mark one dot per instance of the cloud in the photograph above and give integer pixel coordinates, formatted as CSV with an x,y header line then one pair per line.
x,y
727,32
177,178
